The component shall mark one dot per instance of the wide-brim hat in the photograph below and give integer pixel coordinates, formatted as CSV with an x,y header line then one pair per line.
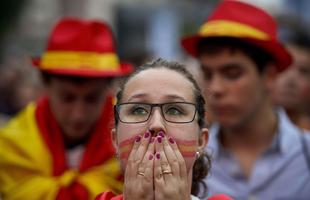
x,y
236,19
84,48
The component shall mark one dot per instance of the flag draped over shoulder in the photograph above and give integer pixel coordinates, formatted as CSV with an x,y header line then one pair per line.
x,y
33,163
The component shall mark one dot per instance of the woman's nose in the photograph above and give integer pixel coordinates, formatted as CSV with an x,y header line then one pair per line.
x,y
156,122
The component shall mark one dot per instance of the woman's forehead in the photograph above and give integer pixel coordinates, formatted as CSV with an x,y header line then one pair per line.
x,y
159,83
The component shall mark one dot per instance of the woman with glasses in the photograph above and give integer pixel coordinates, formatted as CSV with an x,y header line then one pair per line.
x,y
160,135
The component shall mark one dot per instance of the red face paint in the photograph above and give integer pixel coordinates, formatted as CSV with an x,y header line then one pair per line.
x,y
187,148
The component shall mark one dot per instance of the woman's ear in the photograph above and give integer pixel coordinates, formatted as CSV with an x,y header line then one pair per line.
x,y
114,138
203,139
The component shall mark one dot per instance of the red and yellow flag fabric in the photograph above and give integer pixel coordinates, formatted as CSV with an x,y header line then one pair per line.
x,y
109,196
33,164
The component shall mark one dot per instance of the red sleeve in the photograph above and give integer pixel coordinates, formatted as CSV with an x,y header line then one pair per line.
x,y
220,197
109,196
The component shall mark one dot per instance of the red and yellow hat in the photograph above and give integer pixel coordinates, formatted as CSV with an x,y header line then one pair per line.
x,y
82,48
242,21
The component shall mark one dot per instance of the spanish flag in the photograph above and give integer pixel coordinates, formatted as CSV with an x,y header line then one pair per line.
x,y
33,163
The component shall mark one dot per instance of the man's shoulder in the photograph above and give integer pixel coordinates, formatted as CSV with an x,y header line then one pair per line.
x,y
21,121
23,144
306,135
288,131
213,131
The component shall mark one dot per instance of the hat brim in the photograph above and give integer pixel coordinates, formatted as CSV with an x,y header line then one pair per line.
x,y
281,56
125,69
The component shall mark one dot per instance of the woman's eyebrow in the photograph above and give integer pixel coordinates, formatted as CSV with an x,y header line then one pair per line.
x,y
137,96
169,97
175,97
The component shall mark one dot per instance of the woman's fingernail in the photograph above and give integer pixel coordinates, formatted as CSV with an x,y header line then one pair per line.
x,y
157,156
171,140
151,157
147,134
138,138
161,133
159,139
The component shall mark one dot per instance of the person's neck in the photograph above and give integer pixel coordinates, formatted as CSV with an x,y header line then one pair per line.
x,y
251,138
255,134
71,143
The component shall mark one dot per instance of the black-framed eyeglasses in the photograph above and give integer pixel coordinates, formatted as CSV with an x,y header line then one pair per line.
x,y
174,112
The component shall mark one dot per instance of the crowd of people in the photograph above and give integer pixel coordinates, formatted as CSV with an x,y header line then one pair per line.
x,y
234,124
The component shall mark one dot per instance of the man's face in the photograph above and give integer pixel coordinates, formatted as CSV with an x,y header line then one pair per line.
x,y
235,89
76,105
292,89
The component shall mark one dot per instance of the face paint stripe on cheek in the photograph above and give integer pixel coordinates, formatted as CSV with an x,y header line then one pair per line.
x,y
187,148
124,155
128,141
188,154
188,151
185,142
125,146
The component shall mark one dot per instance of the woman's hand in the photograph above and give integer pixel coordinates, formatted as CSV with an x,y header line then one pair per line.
x,y
170,174
139,171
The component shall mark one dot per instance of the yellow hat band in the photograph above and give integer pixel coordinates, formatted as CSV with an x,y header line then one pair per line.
x,y
79,60
231,29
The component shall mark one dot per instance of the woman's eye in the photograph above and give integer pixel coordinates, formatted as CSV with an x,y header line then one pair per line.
x,y
174,111
139,111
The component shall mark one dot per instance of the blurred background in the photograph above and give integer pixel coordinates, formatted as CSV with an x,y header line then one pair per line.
x,y
144,29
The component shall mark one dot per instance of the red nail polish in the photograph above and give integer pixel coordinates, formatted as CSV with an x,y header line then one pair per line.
x,y
152,140
158,156
138,138
151,157
171,140
147,134
161,133
159,139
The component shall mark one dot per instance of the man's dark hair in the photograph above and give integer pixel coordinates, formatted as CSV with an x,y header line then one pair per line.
x,y
214,45
46,77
